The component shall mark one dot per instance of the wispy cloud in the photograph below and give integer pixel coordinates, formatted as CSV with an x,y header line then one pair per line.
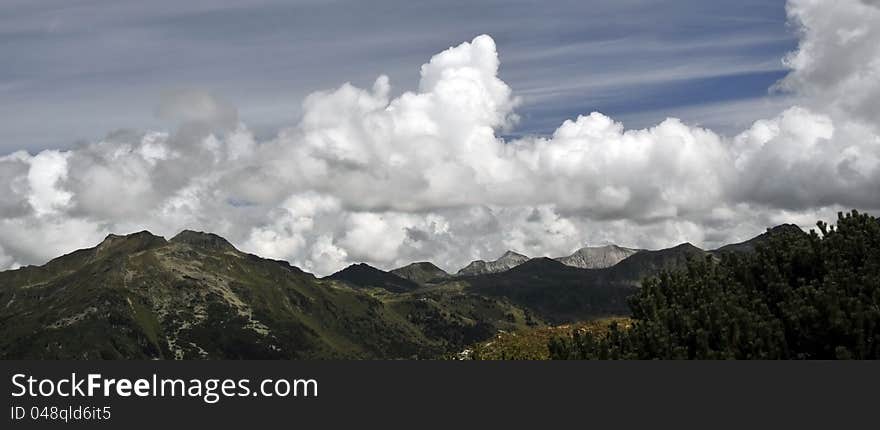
x,y
76,67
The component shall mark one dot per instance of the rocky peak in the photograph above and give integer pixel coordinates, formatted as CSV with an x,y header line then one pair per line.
x,y
203,240
129,243
507,261
421,272
511,255
597,257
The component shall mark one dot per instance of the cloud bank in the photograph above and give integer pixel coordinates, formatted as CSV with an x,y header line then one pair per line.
x,y
426,175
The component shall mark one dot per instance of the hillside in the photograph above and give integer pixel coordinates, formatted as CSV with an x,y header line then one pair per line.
x,y
140,296
534,343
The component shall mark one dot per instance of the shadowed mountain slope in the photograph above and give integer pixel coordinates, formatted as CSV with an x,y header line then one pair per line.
x,y
556,292
749,245
365,276
649,263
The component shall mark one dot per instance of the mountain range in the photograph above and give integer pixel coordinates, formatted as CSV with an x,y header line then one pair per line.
x,y
140,296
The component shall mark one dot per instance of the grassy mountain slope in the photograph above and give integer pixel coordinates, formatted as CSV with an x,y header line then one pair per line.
x,y
139,296
533,343
455,317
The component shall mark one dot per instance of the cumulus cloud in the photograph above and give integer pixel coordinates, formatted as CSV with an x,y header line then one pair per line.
x,y
46,170
837,65
426,176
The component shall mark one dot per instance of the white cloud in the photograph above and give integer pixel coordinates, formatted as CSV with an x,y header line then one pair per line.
x,y
425,175
837,65
47,170
289,232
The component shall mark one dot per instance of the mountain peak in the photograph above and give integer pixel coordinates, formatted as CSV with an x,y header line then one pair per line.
x,y
783,228
539,262
133,242
363,275
597,257
425,265
203,240
421,272
510,254
686,245
507,261
143,234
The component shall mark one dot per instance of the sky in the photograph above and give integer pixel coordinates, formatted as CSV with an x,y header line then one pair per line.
x,y
329,133
76,70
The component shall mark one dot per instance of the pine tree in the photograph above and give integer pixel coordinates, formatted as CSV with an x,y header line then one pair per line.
x,y
799,296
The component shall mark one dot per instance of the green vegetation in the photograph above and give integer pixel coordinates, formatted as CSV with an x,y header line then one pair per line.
x,y
533,343
458,318
797,296
196,296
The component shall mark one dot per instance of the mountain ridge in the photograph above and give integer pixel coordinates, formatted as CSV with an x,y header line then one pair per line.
x,y
421,272
507,261
365,276
137,296
197,296
750,244
597,257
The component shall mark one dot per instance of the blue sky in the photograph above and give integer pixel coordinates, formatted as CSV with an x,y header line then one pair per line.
x,y
76,70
